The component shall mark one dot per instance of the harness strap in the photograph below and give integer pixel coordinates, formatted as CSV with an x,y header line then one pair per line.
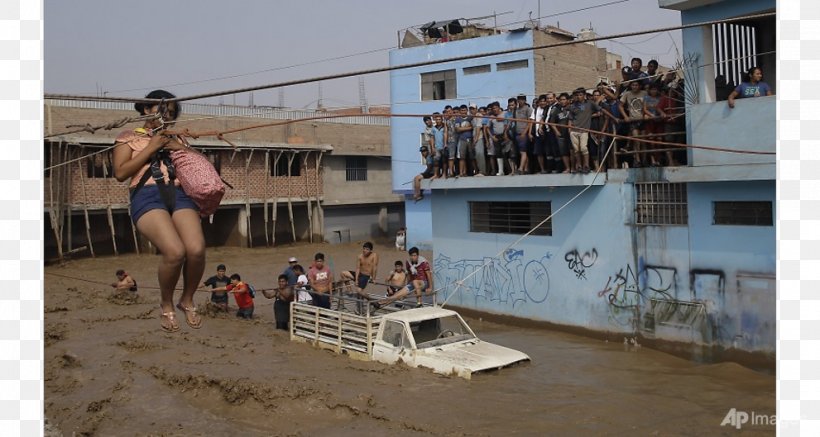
x,y
167,191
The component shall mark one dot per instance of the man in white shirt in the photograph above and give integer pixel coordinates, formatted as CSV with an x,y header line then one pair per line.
x,y
538,132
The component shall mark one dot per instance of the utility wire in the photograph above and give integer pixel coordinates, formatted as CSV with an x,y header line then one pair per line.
x,y
318,61
565,12
267,70
406,66
411,115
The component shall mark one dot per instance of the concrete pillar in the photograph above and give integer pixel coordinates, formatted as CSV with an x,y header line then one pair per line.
x,y
383,220
242,227
318,223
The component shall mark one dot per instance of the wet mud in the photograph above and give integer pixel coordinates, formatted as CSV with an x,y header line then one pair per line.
x,y
110,370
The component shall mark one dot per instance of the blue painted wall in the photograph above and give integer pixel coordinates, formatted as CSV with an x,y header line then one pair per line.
x,y
750,125
725,9
482,88
419,224
699,283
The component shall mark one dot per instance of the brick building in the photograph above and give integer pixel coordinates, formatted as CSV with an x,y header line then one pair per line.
x,y
313,180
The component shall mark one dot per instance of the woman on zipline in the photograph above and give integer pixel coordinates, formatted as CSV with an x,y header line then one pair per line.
x,y
161,210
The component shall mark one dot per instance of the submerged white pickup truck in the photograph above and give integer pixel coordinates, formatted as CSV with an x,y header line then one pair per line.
x,y
431,337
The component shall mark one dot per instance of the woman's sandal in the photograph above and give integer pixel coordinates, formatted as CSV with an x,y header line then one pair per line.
x,y
168,321
191,317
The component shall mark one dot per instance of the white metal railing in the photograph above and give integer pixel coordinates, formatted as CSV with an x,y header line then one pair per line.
x,y
230,111
340,331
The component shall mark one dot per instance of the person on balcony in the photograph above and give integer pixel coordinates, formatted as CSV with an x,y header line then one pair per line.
x,y
755,87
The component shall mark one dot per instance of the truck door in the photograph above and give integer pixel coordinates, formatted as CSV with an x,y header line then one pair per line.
x,y
392,343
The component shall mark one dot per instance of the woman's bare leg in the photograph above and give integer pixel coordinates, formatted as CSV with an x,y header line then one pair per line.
x,y
189,228
157,226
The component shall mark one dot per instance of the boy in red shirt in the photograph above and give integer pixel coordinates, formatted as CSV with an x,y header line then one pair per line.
x,y
243,298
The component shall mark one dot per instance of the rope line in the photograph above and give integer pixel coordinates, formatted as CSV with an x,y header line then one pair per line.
x,y
108,126
139,286
221,134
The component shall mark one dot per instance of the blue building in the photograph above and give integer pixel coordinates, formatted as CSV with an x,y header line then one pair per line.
x,y
427,89
674,255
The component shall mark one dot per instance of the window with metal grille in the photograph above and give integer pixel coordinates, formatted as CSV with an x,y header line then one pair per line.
x,y
512,65
477,69
356,168
661,203
438,85
281,167
100,165
510,217
743,213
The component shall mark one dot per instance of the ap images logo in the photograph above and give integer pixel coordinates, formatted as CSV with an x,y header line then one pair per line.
x,y
738,418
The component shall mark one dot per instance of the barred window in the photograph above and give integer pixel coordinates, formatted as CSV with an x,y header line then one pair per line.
x,y
100,165
661,203
512,65
743,213
510,217
477,69
438,85
356,168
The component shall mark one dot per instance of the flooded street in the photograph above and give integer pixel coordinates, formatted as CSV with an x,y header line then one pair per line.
x,y
110,370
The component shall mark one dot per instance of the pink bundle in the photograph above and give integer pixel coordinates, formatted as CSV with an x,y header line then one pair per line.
x,y
199,179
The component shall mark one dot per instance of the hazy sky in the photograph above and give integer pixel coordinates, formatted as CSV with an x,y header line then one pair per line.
x,y
129,48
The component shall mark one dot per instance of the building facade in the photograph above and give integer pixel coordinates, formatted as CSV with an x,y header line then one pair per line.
x,y
424,90
288,182
676,256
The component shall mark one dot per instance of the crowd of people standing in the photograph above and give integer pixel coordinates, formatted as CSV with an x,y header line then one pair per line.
x,y
561,132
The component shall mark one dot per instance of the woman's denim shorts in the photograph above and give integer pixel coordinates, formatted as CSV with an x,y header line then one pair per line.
x,y
148,198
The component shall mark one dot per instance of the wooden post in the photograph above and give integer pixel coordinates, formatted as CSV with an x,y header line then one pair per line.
x,y
290,205
85,207
111,225
275,207
69,226
321,213
248,198
307,195
265,196
54,211
133,231
108,202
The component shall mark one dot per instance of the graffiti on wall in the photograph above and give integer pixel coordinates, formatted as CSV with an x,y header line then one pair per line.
x,y
578,263
510,280
635,295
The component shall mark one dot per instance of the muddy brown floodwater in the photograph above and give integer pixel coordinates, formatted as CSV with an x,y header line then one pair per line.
x,y
110,370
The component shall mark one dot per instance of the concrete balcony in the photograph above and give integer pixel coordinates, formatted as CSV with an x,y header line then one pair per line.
x,y
750,126
518,181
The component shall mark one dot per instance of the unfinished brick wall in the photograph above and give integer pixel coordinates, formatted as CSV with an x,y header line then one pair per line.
x,y
252,182
252,185
345,138
562,69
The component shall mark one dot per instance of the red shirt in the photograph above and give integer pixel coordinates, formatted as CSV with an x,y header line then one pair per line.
x,y
243,298
421,269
